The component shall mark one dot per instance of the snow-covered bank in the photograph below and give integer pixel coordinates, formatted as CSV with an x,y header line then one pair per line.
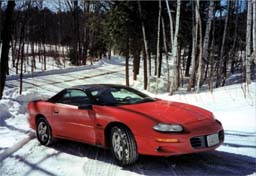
x,y
13,116
229,104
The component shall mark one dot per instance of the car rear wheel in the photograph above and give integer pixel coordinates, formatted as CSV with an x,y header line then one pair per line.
x,y
43,132
123,145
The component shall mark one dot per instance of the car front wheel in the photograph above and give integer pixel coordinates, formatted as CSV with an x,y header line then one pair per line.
x,y
123,145
43,132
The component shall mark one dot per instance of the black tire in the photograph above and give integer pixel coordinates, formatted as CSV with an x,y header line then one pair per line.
x,y
123,145
43,132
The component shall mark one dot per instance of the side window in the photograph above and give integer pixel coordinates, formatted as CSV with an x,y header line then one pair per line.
x,y
123,93
74,97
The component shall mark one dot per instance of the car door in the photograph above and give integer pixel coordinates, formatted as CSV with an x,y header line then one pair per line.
x,y
72,122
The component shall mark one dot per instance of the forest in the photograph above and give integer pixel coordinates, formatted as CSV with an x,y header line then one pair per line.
x,y
189,44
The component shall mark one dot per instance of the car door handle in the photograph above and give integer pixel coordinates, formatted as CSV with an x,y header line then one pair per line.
x,y
56,112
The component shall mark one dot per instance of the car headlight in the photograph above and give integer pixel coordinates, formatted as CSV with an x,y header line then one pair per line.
x,y
162,127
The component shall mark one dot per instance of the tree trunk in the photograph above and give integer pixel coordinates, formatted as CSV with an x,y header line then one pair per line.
x,y
188,63
211,59
33,65
14,55
207,36
224,67
233,52
22,61
64,55
149,66
166,55
248,43
160,63
178,65
127,60
75,33
194,50
156,65
174,83
39,52
145,47
18,58
136,63
44,56
254,31
6,38
86,30
221,67
170,19
145,69
158,45
200,61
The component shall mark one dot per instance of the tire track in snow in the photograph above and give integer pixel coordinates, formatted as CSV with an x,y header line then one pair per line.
x,y
55,83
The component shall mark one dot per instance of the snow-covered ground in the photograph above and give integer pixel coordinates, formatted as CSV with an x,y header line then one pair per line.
x,y
232,105
54,59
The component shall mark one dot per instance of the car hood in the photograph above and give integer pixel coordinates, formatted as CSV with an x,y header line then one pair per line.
x,y
169,112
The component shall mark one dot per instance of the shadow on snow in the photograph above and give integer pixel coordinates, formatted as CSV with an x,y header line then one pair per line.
x,y
207,163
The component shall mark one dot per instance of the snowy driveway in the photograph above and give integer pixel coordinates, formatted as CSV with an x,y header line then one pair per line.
x,y
71,158
236,157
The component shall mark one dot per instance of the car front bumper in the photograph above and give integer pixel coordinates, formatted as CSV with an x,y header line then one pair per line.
x,y
192,141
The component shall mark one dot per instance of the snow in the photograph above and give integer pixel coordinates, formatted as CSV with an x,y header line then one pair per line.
x,y
233,105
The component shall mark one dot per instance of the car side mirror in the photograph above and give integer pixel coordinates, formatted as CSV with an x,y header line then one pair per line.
x,y
85,107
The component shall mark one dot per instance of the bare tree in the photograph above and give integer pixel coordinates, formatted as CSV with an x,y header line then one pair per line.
x,y
211,63
158,44
206,41
248,42
200,61
86,30
170,19
6,38
254,30
166,54
232,52
174,83
222,62
127,55
194,49
146,50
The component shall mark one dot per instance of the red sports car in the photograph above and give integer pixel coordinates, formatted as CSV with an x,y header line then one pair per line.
x,y
125,120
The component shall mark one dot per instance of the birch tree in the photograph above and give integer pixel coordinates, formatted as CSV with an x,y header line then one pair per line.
x,y
171,34
158,44
166,54
147,84
254,31
174,83
170,19
200,61
248,43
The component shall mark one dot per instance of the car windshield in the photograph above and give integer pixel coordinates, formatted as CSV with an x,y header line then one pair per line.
x,y
118,95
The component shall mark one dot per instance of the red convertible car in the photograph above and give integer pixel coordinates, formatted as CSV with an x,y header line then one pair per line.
x,y
126,121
